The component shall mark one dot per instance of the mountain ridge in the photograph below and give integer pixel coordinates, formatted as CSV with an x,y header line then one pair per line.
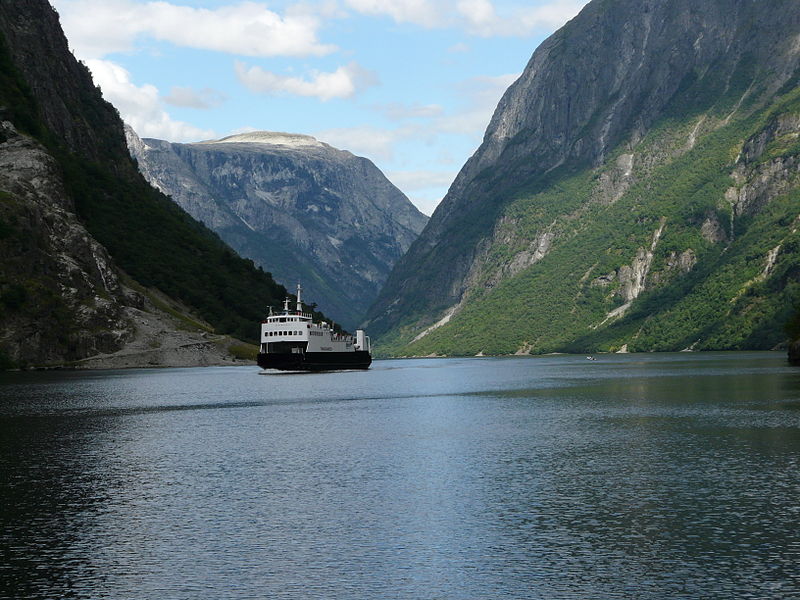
x,y
302,209
607,103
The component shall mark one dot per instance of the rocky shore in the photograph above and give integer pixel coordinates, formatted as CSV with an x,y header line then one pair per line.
x,y
158,343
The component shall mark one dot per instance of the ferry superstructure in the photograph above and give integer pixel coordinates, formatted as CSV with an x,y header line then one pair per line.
x,y
292,341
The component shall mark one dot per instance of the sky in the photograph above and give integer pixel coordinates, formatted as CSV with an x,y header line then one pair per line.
x,y
409,84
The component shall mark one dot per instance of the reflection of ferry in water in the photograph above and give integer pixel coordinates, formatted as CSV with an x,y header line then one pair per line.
x,y
291,341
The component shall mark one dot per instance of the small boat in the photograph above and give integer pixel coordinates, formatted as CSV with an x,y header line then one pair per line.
x,y
590,358
292,341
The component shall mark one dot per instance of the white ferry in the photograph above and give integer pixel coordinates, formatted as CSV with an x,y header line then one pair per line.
x,y
291,341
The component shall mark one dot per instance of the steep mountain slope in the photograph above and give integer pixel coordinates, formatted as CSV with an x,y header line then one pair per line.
x,y
637,187
300,208
61,295
74,209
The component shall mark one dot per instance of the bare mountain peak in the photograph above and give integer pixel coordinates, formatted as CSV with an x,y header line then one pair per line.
x,y
296,206
271,138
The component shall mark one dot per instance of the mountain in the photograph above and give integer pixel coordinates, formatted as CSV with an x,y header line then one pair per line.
x,y
636,189
298,207
93,260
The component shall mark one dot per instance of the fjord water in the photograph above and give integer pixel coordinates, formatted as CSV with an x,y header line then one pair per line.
x,y
638,476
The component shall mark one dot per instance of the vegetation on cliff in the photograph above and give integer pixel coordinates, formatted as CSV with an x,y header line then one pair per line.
x,y
47,95
680,235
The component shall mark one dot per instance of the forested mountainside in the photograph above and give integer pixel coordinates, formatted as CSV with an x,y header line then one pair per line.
x,y
637,189
296,206
84,239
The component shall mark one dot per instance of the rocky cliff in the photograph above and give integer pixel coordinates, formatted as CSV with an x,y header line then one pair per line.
x,y
640,161
75,212
61,294
299,208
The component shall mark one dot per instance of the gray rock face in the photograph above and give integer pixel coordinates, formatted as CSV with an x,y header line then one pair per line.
x,y
299,208
62,86
63,297
597,85
63,300
60,294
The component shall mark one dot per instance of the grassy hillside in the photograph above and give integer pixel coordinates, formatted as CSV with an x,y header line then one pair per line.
x,y
719,274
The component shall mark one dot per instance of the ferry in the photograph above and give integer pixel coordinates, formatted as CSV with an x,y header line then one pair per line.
x,y
292,341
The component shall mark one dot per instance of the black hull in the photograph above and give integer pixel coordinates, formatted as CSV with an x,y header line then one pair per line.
x,y
315,361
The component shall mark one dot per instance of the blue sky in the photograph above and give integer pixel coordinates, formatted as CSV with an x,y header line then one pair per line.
x,y
410,84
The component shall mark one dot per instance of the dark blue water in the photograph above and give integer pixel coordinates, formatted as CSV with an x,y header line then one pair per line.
x,y
639,476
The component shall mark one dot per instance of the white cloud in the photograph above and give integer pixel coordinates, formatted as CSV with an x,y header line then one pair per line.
x,y
373,142
477,17
482,18
96,28
344,82
139,106
420,12
397,111
191,98
551,15
478,13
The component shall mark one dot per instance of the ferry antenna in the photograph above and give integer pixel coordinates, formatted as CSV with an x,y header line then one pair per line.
x,y
299,302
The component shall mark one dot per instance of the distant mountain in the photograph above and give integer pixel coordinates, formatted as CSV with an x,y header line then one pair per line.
x,y
638,188
93,260
299,208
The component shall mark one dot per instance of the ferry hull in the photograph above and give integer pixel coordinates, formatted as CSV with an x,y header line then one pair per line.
x,y
315,361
